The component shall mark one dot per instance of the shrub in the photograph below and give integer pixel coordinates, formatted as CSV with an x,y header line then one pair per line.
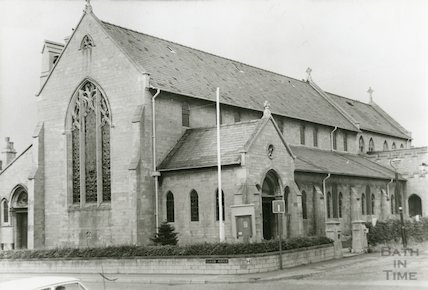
x,y
166,235
390,230
200,249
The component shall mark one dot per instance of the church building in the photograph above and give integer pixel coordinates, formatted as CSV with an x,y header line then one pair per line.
x,y
126,139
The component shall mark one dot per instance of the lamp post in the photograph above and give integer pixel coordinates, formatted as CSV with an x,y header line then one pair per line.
x,y
403,230
394,164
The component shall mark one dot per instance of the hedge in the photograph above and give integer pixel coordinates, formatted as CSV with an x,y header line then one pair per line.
x,y
390,230
202,249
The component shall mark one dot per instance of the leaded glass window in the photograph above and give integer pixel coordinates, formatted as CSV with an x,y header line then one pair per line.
x,y
194,206
87,42
169,207
90,145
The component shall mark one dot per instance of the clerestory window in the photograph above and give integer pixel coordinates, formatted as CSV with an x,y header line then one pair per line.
x,y
90,122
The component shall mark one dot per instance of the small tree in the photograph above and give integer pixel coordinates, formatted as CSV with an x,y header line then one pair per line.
x,y
166,235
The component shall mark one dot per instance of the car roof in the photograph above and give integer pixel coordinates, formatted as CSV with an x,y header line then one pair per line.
x,y
36,282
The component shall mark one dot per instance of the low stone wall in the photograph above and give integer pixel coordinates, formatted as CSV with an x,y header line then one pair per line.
x,y
172,265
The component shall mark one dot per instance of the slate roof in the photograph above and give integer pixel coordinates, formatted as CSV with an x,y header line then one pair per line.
x,y
197,147
370,117
322,161
187,71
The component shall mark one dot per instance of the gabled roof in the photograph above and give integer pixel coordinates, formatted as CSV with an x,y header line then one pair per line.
x,y
197,148
187,71
370,117
322,161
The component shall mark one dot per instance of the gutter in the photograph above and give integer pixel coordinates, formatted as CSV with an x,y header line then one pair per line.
x,y
155,173
387,187
325,194
331,138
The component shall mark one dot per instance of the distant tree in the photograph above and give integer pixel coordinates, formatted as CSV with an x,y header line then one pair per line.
x,y
166,235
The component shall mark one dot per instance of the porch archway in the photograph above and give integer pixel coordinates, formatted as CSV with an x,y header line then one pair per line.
x,y
19,211
270,189
415,205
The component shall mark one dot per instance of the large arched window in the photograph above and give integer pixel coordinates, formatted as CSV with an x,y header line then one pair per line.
x,y
170,207
373,204
304,205
363,204
328,205
4,212
385,146
371,145
194,206
361,145
217,212
90,122
392,204
340,204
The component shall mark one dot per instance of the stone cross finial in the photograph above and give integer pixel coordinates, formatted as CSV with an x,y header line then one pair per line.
x,y
370,91
309,71
88,7
266,112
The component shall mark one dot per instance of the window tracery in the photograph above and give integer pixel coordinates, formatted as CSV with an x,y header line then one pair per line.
x,y
87,42
90,145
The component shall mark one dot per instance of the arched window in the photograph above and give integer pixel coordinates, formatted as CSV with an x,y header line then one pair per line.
x,y
363,204
373,204
169,207
361,145
415,205
371,145
385,146
194,206
304,206
87,42
340,204
315,136
334,200
302,134
185,114
392,204
368,200
237,116
394,146
286,197
328,205
401,146
345,141
90,122
217,215
5,211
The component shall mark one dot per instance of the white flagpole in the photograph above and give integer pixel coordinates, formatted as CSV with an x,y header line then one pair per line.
x,y
220,192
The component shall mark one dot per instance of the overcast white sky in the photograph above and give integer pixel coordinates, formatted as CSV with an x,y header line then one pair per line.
x,y
350,45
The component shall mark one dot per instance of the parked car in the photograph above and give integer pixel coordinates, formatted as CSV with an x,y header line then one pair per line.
x,y
44,283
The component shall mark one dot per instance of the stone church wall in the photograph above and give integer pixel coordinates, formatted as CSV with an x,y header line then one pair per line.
x,y
123,86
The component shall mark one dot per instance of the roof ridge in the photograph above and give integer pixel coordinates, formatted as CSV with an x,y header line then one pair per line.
x,y
210,53
390,120
225,125
343,97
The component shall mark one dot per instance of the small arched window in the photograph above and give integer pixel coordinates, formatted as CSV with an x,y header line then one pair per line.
x,y
371,145
340,204
401,146
363,204
286,197
373,204
304,206
392,204
87,42
194,206
169,207
315,136
5,211
361,145
345,142
328,205
385,146
302,134
185,114
217,215
237,116
394,146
